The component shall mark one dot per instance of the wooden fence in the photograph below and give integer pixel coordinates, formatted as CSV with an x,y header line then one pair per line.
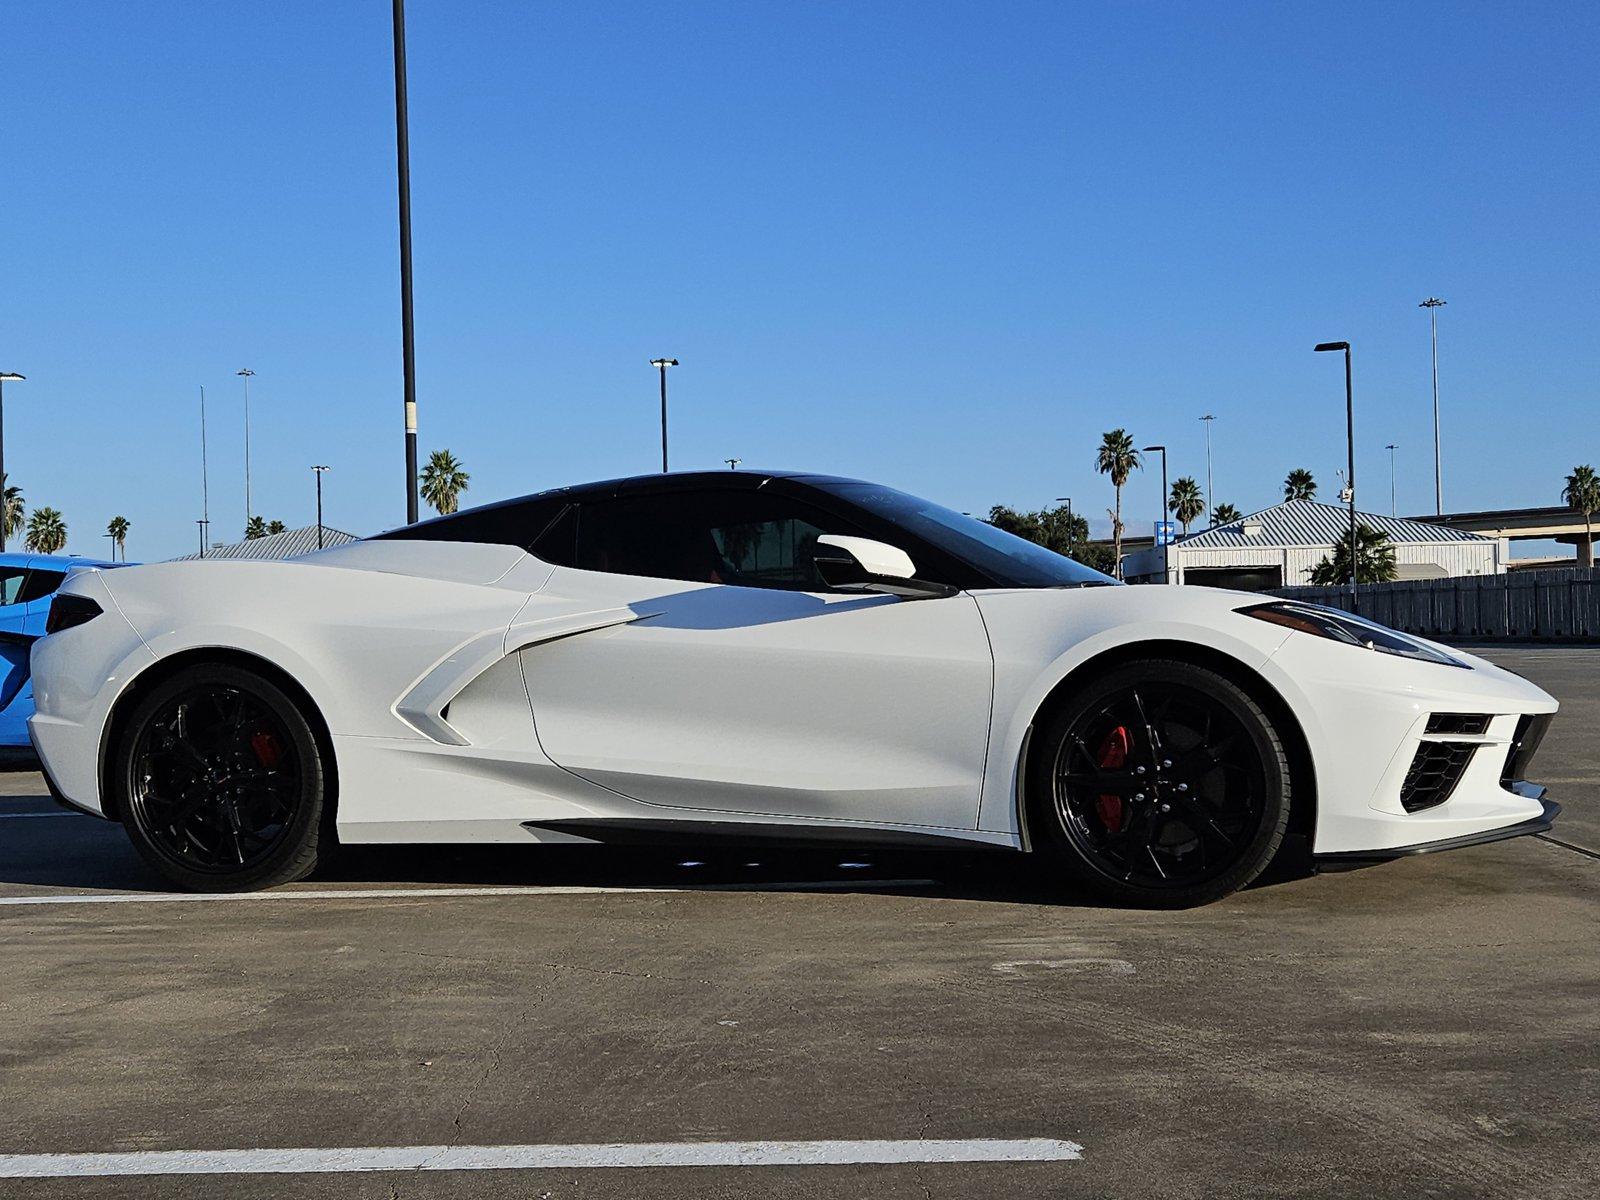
x,y
1544,606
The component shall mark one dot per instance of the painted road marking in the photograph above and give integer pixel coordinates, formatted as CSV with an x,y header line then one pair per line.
x,y
20,816
523,1158
851,885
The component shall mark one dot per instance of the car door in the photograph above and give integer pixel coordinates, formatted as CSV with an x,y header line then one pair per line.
x,y
16,640
743,685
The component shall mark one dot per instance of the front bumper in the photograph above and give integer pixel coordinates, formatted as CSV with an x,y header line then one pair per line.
x,y
1351,859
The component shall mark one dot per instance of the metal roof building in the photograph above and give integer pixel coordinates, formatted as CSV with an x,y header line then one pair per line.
x,y
1281,545
289,544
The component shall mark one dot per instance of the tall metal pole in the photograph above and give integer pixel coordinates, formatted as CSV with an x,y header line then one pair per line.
x,y
205,480
733,463
1391,448
662,364
1350,478
319,470
1210,488
245,373
1165,495
402,143
1433,304
5,507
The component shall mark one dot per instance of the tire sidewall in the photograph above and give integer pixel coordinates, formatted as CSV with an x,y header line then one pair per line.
x,y
1269,747
296,853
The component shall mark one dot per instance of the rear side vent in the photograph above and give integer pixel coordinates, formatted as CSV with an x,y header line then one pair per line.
x,y
1458,723
1434,773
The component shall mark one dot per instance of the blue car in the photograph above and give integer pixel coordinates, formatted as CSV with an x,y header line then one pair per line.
x,y
27,582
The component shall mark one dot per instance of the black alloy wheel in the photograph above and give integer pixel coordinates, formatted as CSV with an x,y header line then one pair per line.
x,y
1162,784
222,781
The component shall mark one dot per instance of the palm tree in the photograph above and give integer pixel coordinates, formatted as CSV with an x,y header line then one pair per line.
x,y
1374,559
1186,503
14,509
443,481
276,527
1118,459
1298,485
254,528
117,530
1225,514
47,532
1583,493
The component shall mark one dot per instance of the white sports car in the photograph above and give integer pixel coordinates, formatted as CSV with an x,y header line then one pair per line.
x,y
745,656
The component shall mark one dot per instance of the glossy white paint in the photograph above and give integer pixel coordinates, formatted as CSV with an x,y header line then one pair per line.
x,y
876,558
470,690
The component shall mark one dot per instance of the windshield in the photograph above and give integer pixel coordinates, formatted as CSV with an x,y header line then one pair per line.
x,y
1011,561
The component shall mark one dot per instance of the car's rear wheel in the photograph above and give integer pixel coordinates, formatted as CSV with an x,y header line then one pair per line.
x,y
1161,784
221,781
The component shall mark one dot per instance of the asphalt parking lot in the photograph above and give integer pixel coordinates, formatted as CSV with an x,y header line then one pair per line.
x,y
1424,1028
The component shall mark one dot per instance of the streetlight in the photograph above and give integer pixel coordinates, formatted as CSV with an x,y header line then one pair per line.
x,y
1433,304
319,470
245,373
733,463
1211,490
5,513
1068,500
205,481
1391,449
408,347
661,364
1163,520
205,530
1350,451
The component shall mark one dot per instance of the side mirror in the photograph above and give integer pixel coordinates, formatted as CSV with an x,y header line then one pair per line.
x,y
857,564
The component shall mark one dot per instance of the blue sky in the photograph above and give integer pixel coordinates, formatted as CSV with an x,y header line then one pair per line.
x,y
942,246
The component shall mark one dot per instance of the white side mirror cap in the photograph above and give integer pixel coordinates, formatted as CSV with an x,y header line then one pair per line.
x,y
876,558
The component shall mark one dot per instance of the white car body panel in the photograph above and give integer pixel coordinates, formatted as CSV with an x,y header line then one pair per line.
x,y
474,693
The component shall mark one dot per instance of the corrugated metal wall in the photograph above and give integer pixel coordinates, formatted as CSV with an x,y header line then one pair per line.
x,y
1555,606
1297,562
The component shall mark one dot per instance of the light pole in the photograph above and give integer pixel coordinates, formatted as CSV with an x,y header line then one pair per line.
x,y
662,364
1210,488
245,373
319,470
5,378
1391,449
1068,502
1433,304
1163,520
205,483
733,463
1350,463
408,347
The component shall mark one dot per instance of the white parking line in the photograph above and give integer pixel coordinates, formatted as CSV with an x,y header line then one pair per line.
x,y
20,816
824,885
515,1158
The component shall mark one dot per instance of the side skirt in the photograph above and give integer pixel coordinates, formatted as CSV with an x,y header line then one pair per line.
x,y
637,831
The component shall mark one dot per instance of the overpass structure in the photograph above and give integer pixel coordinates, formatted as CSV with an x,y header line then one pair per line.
x,y
1556,523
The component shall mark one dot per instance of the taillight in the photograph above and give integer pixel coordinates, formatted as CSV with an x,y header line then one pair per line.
x,y
67,611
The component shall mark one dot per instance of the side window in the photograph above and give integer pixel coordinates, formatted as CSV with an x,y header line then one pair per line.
x,y
40,584
11,584
743,538
517,523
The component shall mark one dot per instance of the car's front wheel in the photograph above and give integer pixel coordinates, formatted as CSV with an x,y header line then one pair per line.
x,y
221,782
1161,784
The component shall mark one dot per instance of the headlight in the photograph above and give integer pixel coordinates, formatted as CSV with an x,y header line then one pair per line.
x,y
1347,627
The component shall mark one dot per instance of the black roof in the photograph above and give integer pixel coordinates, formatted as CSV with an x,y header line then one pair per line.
x,y
671,481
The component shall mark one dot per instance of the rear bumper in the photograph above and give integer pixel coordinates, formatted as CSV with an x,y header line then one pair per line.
x,y
1542,823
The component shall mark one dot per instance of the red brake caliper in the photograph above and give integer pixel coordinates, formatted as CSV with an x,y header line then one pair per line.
x,y
268,752
1113,756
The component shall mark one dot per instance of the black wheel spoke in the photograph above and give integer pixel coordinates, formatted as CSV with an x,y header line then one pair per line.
x,y
216,779
1175,793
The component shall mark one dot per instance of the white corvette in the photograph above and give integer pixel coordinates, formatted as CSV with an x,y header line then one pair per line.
x,y
756,656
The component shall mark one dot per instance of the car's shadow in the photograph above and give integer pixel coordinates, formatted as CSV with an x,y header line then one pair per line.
x,y
81,852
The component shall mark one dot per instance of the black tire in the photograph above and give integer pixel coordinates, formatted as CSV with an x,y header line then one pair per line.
x,y
220,781
1160,784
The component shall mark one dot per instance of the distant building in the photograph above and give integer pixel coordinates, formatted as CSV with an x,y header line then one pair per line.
x,y
289,544
1280,547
